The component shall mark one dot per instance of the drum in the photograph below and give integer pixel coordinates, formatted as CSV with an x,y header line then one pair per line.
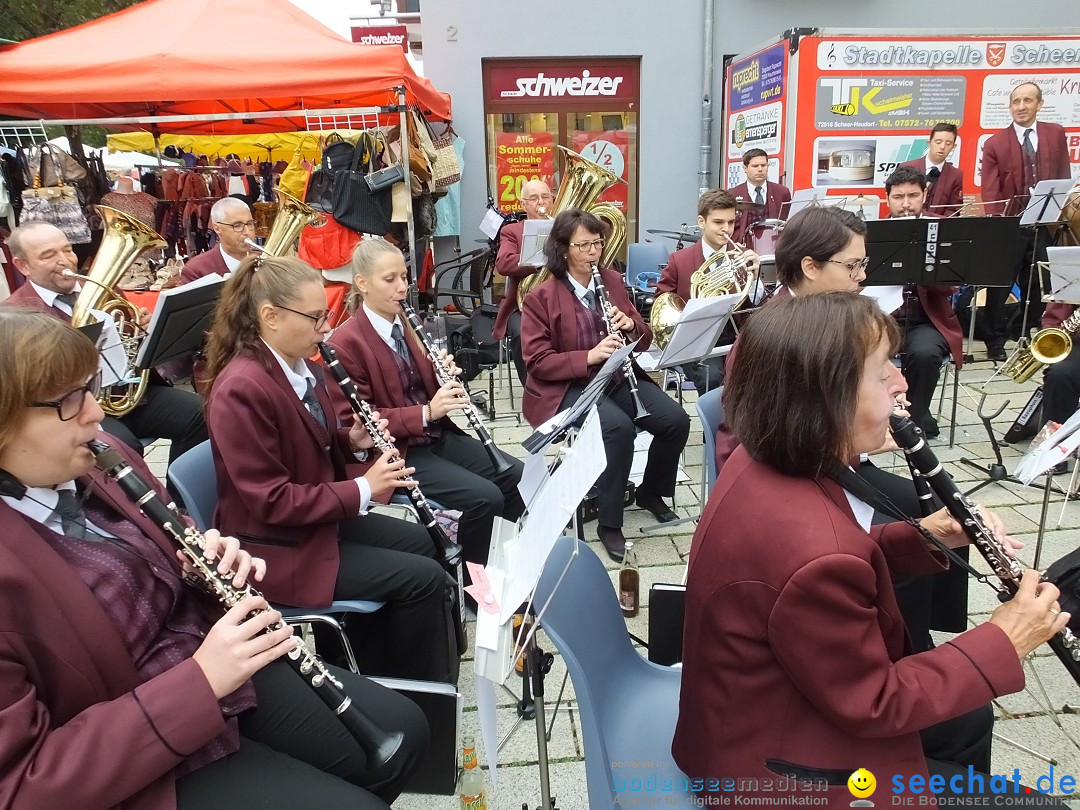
x,y
762,238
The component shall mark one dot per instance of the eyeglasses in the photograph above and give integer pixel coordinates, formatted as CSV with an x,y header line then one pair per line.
x,y
537,197
853,267
585,247
238,227
70,405
321,319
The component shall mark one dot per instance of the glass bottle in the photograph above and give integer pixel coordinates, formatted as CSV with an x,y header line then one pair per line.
x,y
629,582
471,790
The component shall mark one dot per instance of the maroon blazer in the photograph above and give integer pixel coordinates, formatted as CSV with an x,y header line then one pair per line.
x,y
946,195
280,477
549,343
27,296
675,277
69,688
508,263
796,651
1003,166
203,264
776,197
370,363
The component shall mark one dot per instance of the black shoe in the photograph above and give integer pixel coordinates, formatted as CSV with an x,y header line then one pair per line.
x,y
613,540
1060,469
996,352
655,504
930,427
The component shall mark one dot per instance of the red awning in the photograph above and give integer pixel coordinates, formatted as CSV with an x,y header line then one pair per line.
x,y
199,57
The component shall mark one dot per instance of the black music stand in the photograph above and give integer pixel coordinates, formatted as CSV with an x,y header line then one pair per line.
x,y
180,321
1042,212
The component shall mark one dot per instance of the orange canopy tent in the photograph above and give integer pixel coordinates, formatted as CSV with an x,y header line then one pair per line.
x,y
204,57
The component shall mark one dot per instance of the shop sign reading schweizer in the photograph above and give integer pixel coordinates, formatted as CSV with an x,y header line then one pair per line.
x,y
568,84
986,54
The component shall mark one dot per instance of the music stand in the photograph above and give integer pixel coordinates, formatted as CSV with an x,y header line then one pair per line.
x,y
803,198
1062,267
180,321
1043,210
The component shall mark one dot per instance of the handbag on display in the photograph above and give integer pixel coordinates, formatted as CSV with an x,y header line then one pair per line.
x,y
445,168
59,206
327,246
336,156
55,167
294,179
356,205
425,218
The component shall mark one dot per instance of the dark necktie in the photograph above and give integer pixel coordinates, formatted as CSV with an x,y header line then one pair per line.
x,y
312,403
759,197
68,298
399,343
933,174
72,518
590,299
1029,160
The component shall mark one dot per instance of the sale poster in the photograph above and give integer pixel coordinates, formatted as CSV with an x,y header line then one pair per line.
x,y
519,158
611,150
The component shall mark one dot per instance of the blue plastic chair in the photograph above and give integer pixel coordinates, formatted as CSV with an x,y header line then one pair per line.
x,y
192,475
628,706
644,257
710,410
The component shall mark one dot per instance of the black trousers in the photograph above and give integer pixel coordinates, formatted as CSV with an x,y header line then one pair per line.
x,y
1028,248
164,413
295,753
924,349
391,560
513,334
456,473
667,422
706,374
1061,387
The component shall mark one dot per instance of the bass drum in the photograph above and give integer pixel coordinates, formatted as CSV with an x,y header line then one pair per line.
x,y
762,238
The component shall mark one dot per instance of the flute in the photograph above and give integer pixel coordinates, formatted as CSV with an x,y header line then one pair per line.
x,y
378,745
444,376
451,551
628,364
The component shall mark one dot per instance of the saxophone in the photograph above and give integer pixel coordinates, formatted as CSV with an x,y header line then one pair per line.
x,y
378,745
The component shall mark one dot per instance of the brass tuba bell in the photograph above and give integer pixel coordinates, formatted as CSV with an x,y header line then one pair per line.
x,y
124,239
292,217
583,181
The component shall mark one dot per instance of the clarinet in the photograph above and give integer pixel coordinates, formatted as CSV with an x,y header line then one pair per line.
x,y
1008,571
628,364
378,746
451,551
444,376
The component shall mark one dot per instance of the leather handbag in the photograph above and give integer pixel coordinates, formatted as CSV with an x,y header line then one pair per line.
x,y
355,204
337,154
56,167
294,179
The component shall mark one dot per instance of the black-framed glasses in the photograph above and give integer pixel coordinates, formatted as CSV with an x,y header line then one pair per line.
x,y
321,319
585,247
71,404
854,267
238,227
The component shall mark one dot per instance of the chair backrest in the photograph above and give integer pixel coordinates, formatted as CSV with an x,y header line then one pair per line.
x,y
710,409
644,257
627,705
193,476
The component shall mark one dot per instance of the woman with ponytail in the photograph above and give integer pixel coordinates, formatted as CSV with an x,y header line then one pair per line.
x,y
280,456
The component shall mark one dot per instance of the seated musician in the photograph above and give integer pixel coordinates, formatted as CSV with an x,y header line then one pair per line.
x,y
930,327
280,456
716,218
770,200
536,199
824,250
123,685
565,340
393,373
43,253
1061,380
796,661
230,219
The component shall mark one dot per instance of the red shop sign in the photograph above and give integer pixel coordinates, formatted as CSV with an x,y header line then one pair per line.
x,y
599,85
381,35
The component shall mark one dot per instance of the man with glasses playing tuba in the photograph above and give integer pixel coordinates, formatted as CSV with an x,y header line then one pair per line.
x,y
43,254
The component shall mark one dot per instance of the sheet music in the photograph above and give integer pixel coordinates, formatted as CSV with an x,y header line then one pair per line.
x,y
1051,446
698,329
113,362
1046,200
889,297
490,224
534,235
532,477
1063,264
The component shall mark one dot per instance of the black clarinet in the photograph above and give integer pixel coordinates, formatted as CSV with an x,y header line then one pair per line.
x,y
628,364
924,465
379,746
451,551
444,376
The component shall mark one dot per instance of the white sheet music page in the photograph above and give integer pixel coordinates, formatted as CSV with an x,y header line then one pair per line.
x,y
1063,264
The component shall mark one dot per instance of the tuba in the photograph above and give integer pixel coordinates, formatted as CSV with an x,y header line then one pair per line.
x,y
292,217
583,181
124,239
723,273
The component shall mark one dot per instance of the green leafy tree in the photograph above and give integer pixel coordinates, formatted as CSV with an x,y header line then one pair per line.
x,y
26,19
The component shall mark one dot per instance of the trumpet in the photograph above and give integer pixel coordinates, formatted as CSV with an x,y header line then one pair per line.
x,y
444,375
628,364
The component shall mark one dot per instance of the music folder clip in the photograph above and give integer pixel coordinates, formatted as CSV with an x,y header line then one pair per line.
x,y
181,317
